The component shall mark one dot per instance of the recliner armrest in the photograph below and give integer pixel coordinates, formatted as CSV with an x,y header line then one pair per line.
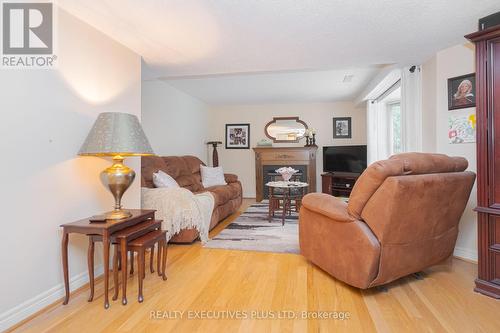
x,y
327,205
230,178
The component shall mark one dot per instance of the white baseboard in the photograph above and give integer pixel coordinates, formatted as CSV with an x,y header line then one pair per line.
x,y
37,303
465,253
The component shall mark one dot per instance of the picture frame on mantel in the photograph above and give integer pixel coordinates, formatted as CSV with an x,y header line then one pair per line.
x,y
237,136
342,128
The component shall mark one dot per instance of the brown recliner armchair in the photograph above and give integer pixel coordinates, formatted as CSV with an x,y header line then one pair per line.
x,y
402,217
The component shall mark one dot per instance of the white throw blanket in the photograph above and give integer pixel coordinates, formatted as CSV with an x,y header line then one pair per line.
x,y
180,209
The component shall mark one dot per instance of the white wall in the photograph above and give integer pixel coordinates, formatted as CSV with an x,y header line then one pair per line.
x,y
46,115
316,115
176,123
450,62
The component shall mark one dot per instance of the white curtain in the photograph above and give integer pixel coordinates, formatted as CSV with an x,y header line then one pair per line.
x,y
379,121
371,131
411,109
377,132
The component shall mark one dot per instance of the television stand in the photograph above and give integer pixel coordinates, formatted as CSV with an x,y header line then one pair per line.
x,y
338,184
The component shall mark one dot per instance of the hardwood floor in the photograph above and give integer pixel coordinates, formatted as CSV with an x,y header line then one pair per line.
x,y
221,280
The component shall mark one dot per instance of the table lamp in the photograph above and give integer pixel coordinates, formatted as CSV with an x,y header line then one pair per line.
x,y
117,135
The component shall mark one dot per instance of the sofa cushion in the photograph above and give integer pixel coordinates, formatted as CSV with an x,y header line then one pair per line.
x,y
176,166
212,176
193,164
223,194
162,179
150,165
190,182
185,170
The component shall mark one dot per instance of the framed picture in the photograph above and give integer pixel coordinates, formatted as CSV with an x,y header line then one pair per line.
x,y
462,128
237,136
342,128
462,92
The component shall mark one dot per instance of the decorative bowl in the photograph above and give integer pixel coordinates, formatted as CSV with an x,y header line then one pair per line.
x,y
286,173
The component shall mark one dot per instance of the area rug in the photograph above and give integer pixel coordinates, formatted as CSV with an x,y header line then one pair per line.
x,y
252,231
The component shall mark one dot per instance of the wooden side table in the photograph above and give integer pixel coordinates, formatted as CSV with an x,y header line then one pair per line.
x,y
140,245
121,238
286,197
105,230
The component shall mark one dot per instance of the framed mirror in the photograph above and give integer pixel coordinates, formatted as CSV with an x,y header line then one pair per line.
x,y
285,129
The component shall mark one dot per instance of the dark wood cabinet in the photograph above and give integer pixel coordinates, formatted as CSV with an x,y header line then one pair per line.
x,y
338,184
488,159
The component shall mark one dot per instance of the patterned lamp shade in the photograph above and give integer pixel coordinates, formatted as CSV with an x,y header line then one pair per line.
x,y
114,134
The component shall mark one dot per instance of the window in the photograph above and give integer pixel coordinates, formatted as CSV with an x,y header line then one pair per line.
x,y
394,110
391,104
385,126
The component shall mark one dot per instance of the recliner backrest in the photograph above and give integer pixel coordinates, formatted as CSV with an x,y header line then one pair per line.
x,y
412,208
398,165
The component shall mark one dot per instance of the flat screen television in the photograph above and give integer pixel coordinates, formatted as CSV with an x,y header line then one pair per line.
x,y
344,159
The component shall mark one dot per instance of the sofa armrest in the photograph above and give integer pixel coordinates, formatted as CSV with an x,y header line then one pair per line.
x,y
327,205
230,178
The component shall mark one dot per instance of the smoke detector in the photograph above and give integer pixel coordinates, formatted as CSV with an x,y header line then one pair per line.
x,y
347,78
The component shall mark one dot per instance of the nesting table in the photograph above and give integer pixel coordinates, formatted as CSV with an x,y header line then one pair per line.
x,y
105,230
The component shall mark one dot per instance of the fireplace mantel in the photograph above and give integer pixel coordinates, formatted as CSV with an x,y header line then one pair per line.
x,y
284,156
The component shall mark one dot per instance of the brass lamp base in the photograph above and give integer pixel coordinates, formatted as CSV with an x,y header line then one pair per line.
x,y
118,214
117,178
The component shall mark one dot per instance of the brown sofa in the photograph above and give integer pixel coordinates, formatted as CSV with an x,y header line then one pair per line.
x,y
402,217
186,171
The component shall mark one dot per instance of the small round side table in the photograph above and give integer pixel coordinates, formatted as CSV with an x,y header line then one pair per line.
x,y
283,200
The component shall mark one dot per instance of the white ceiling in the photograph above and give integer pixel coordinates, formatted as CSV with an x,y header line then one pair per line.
x,y
182,38
303,86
